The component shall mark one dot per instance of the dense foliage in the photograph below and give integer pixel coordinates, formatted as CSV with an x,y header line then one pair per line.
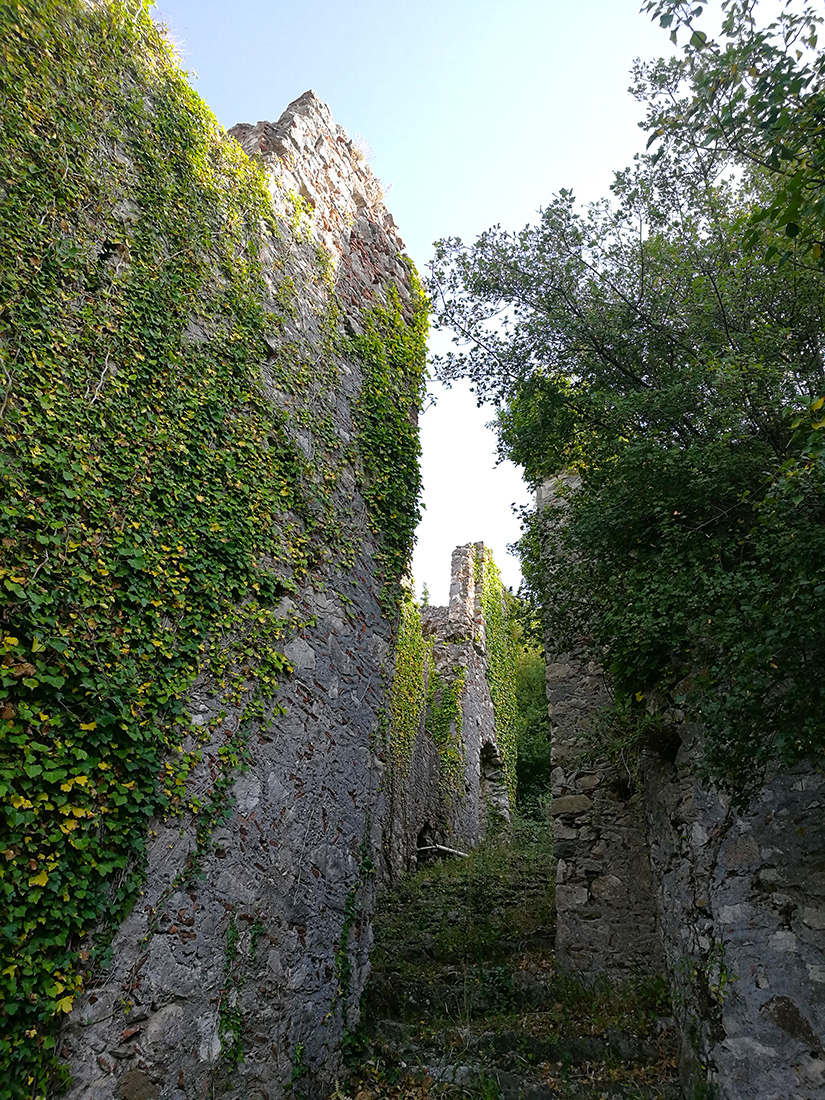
x,y
758,94
641,345
444,721
533,765
154,507
392,353
408,691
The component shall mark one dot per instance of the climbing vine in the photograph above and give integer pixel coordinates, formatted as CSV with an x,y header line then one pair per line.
x,y
501,634
392,352
408,691
229,1013
154,509
444,724
353,905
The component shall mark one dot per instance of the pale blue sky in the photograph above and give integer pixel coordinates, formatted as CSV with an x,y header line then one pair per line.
x,y
476,112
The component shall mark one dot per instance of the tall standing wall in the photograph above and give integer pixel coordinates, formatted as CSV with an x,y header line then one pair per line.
x,y
261,959
449,752
212,371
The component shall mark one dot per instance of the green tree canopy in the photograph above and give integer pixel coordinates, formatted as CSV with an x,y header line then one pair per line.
x,y
642,344
758,94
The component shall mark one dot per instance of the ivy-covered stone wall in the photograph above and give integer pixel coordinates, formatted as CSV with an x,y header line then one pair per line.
x,y
452,718
210,366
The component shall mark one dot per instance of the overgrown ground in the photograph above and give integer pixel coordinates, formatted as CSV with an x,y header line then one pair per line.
x,y
465,999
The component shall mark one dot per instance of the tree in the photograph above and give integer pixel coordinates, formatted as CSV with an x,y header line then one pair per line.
x,y
758,93
642,345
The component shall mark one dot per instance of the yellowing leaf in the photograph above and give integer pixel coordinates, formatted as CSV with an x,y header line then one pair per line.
x,y
88,726
817,404
64,1004
37,646
39,880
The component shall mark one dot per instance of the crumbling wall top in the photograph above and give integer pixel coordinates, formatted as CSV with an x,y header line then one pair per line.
x,y
313,157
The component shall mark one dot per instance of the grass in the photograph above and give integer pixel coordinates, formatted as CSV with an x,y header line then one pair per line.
x,y
473,909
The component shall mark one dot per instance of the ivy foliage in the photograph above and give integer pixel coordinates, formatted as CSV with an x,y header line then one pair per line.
x,y
641,345
429,684
444,723
425,699
409,691
392,352
533,764
141,472
154,509
501,630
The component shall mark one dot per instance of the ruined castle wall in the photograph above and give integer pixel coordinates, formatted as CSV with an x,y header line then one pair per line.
x,y
663,874
243,959
451,791
459,648
607,920
605,903
240,967
742,903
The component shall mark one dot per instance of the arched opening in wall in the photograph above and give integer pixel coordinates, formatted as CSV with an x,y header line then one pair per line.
x,y
425,843
494,812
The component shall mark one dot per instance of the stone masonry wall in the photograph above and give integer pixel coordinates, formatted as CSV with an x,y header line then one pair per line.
x,y
429,809
606,912
742,902
232,982
460,646
667,874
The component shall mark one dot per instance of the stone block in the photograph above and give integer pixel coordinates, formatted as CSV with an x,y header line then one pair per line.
x,y
588,782
741,852
814,917
570,804
571,897
608,888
